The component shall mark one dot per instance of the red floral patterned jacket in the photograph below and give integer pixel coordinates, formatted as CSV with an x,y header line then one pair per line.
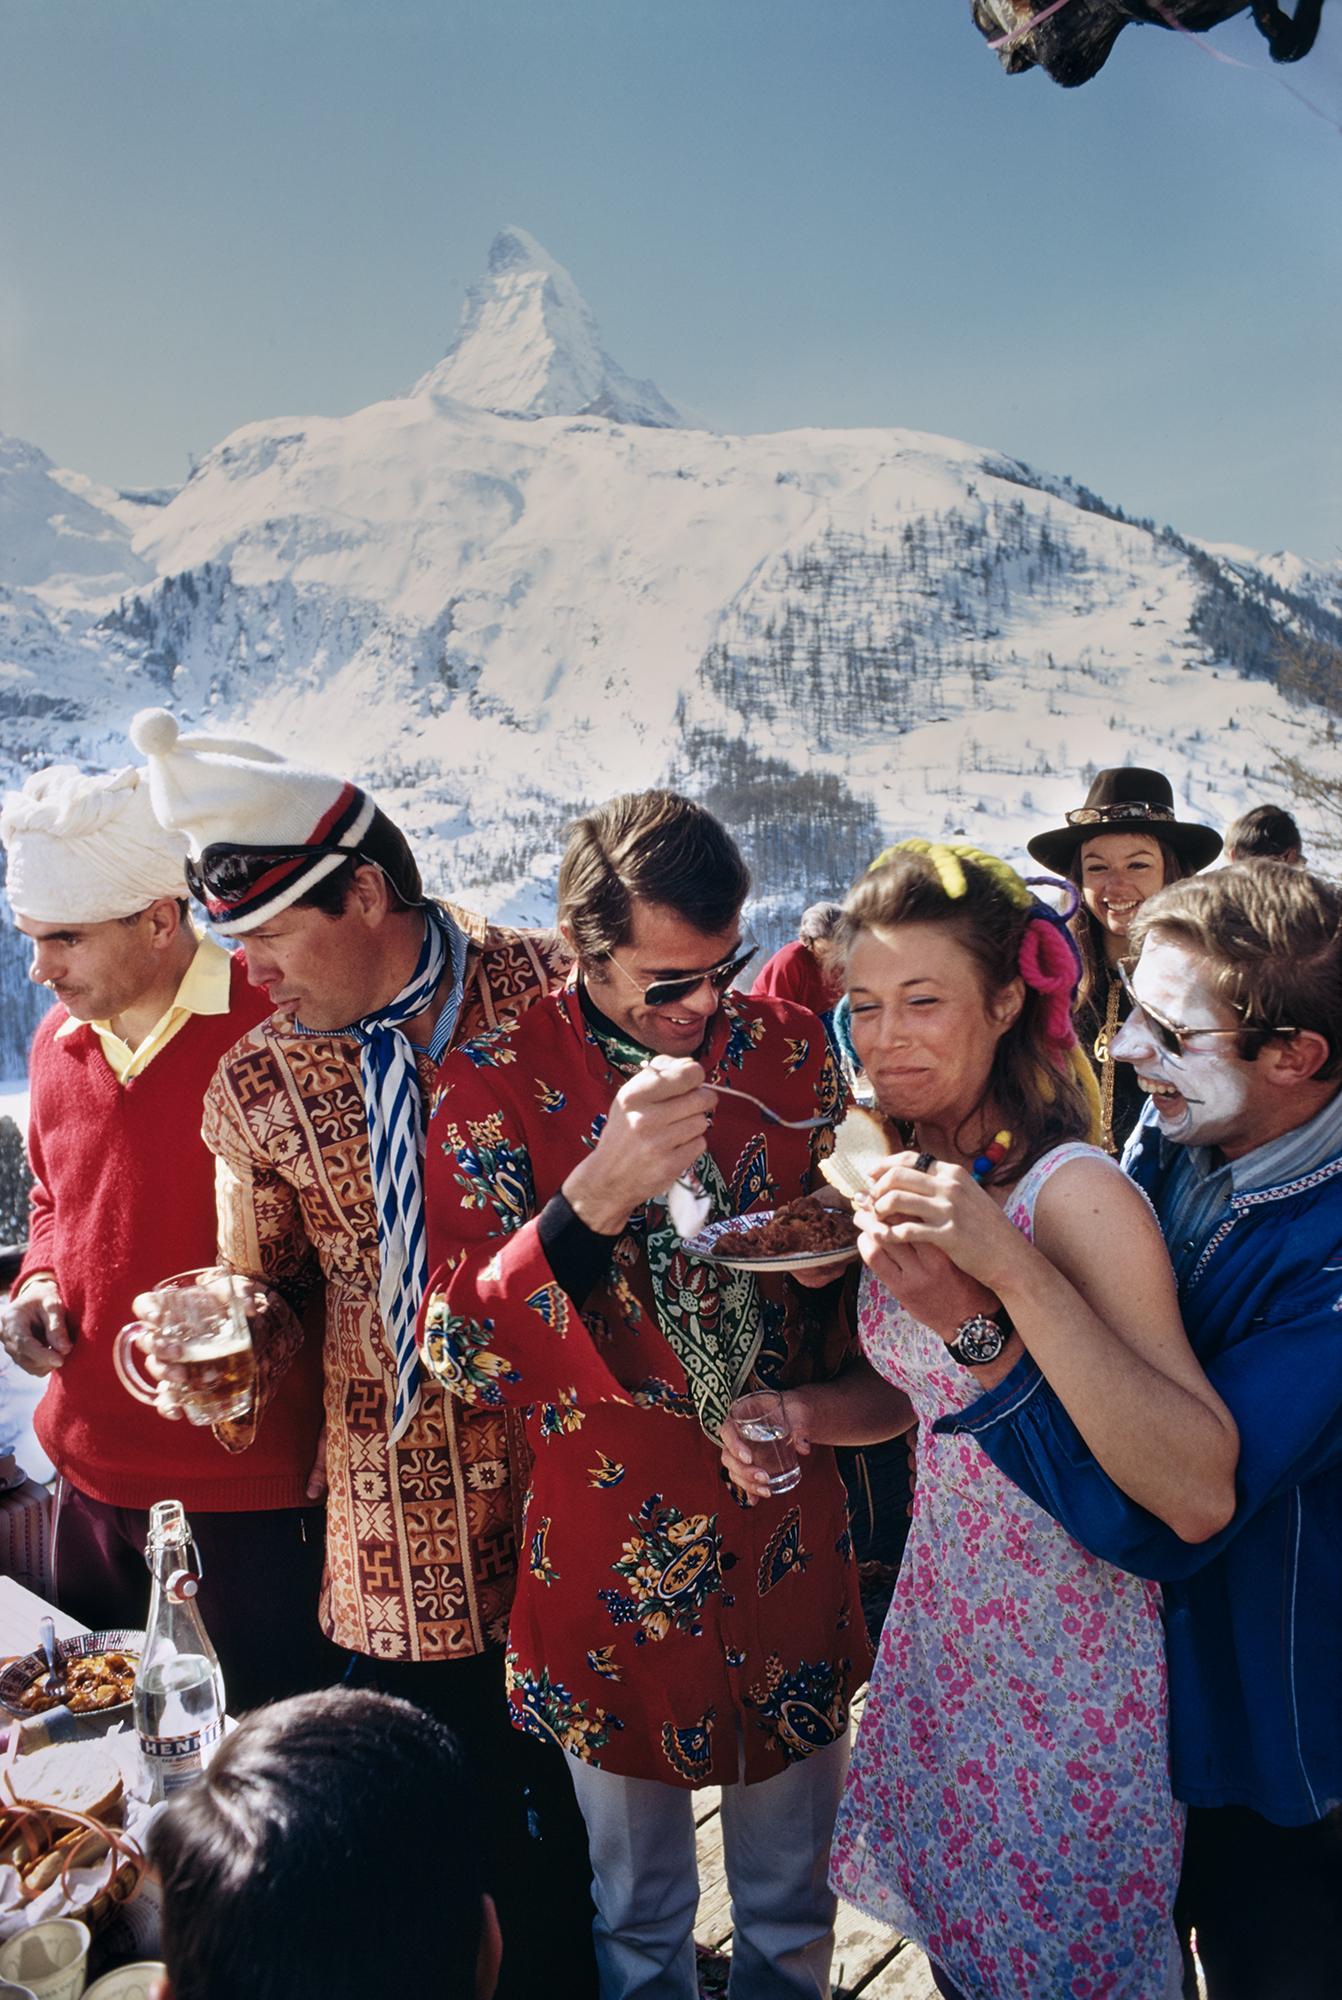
x,y
658,1618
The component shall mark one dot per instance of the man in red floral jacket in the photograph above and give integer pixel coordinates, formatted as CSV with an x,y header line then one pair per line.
x,y
665,1633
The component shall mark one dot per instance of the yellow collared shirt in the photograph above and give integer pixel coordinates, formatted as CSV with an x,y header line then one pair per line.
x,y
204,990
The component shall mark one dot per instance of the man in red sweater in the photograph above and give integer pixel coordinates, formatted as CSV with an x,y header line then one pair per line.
x,y
123,1196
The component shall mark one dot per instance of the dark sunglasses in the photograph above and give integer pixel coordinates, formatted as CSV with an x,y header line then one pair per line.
x,y
1172,1037
228,874
665,992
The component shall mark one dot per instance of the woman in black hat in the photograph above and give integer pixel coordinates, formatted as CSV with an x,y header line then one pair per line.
x,y
1121,846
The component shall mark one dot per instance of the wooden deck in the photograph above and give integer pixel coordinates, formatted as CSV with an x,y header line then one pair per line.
x,y
869,1959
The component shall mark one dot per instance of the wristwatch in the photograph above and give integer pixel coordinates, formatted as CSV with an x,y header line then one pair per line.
x,y
981,1338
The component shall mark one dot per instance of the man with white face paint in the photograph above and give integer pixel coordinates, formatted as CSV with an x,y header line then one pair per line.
x,y
1236,1037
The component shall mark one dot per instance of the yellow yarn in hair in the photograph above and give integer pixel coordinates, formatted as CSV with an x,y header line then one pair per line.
x,y
947,857
943,858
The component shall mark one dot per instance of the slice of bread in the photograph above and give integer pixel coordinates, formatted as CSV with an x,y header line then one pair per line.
x,y
70,1777
861,1142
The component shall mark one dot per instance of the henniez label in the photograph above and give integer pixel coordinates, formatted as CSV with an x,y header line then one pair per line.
x,y
181,1758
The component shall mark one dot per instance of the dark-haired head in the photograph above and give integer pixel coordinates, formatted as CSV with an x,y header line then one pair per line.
x,y
332,1848
1265,833
1095,940
652,847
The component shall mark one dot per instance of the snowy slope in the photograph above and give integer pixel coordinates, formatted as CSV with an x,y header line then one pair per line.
x,y
833,636
61,532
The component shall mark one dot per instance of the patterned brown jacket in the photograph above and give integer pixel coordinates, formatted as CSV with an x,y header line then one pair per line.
x,y
422,1536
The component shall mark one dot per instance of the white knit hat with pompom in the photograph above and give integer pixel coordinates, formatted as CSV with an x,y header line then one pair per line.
x,y
223,793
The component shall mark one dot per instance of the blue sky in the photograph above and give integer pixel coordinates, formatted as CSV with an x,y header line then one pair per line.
x,y
837,212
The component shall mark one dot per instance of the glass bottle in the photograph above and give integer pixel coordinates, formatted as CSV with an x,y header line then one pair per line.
x,y
179,1690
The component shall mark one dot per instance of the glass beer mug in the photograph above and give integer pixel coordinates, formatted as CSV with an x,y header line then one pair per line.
x,y
198,1323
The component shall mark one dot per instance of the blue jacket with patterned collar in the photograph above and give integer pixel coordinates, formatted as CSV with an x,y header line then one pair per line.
x,y
1253,1616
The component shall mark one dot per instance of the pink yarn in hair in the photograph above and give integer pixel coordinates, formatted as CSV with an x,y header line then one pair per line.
x,y
1047,964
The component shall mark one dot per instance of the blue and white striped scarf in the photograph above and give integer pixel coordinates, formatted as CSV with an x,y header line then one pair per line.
x,y
396,1136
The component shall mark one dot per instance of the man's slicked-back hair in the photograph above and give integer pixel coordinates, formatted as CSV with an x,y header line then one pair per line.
x,y
1264,833
1271,936
383,843
332,1847
658,847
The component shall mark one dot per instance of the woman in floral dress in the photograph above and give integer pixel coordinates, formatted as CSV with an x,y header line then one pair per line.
x,y
1008,1805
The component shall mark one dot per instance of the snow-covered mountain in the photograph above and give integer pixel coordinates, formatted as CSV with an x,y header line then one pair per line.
x,y
528,346
835,637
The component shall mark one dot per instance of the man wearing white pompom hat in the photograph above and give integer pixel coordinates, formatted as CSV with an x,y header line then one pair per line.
x,y
123,1195
317,1120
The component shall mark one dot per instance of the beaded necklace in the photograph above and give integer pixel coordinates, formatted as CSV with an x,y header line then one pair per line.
x,y
993,1153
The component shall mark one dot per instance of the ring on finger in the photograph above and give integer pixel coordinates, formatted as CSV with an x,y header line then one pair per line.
x,y
924,1162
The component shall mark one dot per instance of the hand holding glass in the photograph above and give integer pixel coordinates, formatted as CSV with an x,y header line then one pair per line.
x,y
196,1330
761,1418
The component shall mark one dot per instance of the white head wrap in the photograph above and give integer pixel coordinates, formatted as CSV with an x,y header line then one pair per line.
x,y
83,850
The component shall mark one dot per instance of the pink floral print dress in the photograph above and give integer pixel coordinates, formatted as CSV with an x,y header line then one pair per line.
x,y
1008,1805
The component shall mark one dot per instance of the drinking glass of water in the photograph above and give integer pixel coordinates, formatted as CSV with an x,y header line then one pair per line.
x,y
761,1418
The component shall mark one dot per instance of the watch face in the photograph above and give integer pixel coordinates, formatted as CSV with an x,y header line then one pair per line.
x,y
979,1341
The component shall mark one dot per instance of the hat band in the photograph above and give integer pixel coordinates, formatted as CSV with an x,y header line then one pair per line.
x,y
225,876
1127,809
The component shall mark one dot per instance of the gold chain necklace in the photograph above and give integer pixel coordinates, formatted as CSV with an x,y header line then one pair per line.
x,y
1106,1065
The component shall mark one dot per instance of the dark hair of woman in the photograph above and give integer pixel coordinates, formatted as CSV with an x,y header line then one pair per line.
x,y
1090,934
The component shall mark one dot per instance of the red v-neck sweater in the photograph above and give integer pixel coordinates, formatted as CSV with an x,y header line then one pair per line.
x,y
124,1197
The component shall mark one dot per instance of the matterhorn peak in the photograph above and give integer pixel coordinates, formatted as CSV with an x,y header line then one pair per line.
x,y
529,346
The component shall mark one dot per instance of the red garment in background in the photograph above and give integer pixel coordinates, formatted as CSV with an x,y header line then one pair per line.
x,y
795,973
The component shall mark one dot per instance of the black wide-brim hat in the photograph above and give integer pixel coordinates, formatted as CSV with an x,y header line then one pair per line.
x,y
1127,800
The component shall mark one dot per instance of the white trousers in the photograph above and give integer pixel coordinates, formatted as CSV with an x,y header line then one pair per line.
x,y
775,1837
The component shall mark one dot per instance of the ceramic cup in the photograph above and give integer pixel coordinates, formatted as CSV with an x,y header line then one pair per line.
x,y
128,1982
50,1959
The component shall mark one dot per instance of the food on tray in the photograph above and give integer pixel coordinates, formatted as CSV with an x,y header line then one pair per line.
x,y
802,1227
861,1142
93,1681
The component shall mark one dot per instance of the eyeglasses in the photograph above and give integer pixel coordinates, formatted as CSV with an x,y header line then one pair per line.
x,y
1172,1037
1129,809
665,992
228,874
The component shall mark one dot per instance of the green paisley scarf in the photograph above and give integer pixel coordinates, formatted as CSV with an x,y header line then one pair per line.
x,y
711,1317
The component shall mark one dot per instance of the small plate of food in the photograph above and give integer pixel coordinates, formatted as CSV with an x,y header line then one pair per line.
x,y
100,1672
803,1233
